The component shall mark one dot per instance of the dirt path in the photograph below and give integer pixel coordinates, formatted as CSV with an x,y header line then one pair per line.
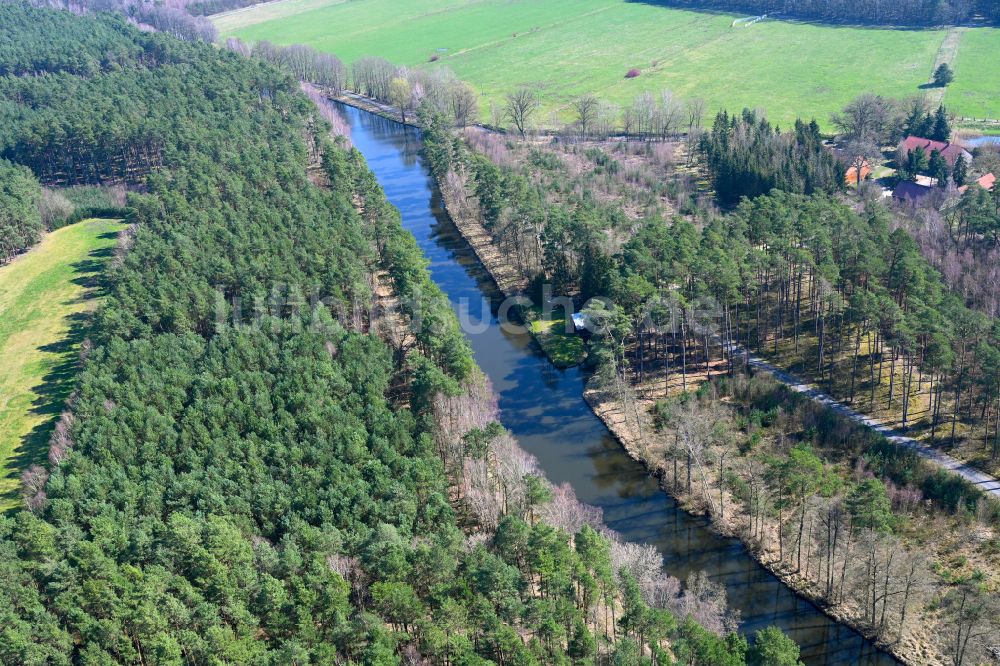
x,y
982,480
945,56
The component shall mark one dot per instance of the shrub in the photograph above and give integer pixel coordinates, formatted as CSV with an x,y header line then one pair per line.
x,y
632,73
94,201
60,207
54,208
434,58
544,160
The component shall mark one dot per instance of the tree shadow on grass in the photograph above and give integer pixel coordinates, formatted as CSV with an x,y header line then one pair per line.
x,y
733,8
58,383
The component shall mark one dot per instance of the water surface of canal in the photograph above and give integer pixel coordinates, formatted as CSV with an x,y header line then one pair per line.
x,y
545,410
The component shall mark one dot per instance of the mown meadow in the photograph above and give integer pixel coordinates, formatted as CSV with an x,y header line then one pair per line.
x,y
563,49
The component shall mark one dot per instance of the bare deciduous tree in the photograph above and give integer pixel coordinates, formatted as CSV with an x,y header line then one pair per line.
x,y
695,116
568,513
373,76
586,108
464,104
62,439
971,615
695,113
697,429
867,117
705,601
519,107
606,118
642,561
33,482
338,125
236,45
861,154
667,115
456,415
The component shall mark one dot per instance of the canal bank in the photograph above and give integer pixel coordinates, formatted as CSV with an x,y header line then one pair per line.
x,y
545,410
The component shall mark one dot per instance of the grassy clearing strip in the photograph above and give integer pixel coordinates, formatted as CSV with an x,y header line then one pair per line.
x,y
44,300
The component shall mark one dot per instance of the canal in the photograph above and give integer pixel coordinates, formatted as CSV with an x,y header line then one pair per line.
x,y
544,408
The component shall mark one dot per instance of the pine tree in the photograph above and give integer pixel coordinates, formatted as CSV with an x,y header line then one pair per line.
x,y
943,75
937,168
582,645
916,161
773,648
960,174
941,129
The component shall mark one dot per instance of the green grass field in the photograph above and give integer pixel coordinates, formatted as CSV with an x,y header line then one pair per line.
x,y
976,90
562,345
567,47
45,296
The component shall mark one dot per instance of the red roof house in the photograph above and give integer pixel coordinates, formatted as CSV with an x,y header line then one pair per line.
x,y
986,182
949,151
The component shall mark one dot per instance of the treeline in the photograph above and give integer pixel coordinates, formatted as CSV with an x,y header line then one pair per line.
x,y
650,116
404,88
870,121
27,209
304,62
906,12
209,7
746,157
171,18
59,207
20,222
410,89
249,473
173,21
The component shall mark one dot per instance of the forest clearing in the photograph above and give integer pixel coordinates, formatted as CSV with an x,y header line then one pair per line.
x,y
44,297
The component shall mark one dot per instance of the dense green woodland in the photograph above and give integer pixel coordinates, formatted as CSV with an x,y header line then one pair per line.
x,y
246,476
20,222
746,157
